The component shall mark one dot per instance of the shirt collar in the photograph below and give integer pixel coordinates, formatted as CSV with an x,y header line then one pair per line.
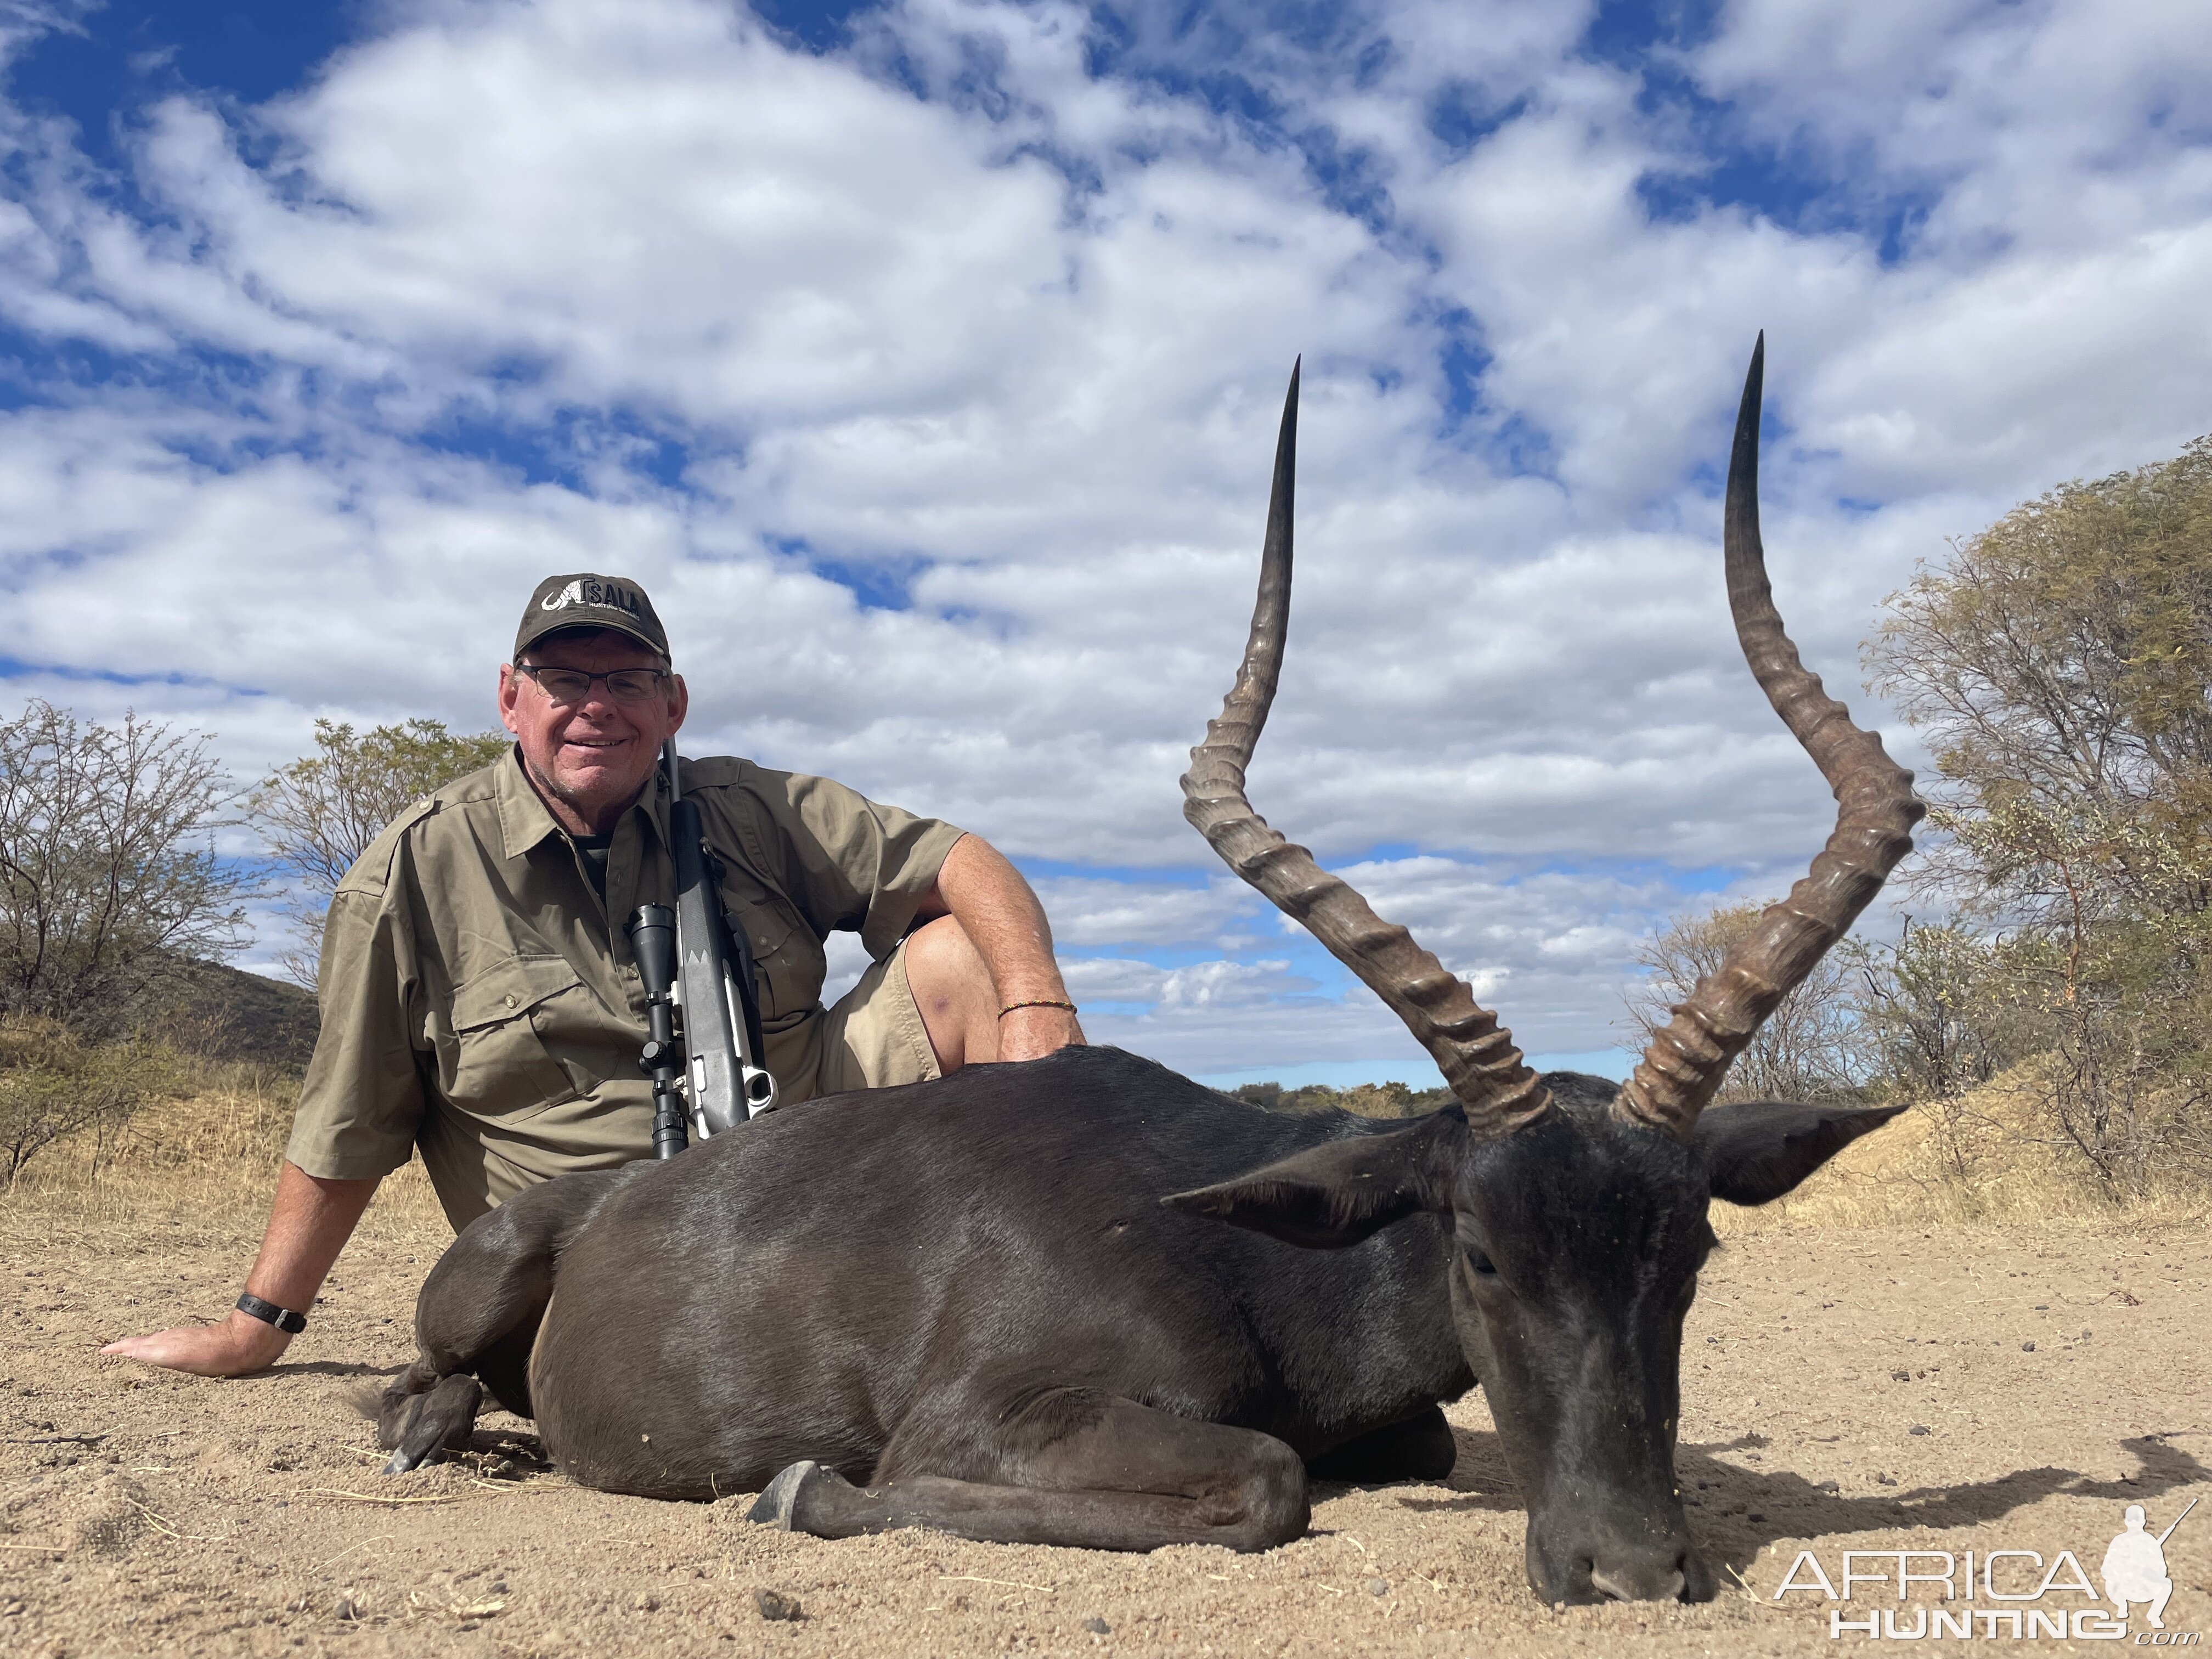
x,y
525,821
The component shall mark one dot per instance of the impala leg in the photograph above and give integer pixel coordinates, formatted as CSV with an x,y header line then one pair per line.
x,y
1075,1467
477,1316
419,1426
1420,1448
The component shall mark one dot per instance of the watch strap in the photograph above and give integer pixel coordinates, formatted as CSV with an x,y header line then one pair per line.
x,y
270,1313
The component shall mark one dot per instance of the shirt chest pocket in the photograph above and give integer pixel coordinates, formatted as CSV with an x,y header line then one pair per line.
x,y
787,961
502,1017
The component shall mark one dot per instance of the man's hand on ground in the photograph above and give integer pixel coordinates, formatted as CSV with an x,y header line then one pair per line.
x,y
230,1348
1032,1033
309,1222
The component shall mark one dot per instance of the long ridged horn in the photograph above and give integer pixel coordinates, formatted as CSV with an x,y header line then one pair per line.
x,y
1875,810
1475,1054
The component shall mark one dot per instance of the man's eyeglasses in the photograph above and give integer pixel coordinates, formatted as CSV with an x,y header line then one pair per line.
x,y
573,685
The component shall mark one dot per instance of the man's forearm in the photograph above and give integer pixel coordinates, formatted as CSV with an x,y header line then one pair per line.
x,y
1013,1015
309,1222
1003,920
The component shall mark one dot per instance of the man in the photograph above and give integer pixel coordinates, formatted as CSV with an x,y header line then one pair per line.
x,y
2135,1568
480,1002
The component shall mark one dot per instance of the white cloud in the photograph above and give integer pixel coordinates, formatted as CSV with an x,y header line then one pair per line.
x,y
571,284
1094,911
2060,126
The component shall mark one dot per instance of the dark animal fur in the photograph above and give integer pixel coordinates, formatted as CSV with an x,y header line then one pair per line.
x,y
967,1296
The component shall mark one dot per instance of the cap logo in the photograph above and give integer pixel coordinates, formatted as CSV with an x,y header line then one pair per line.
x,y
583,591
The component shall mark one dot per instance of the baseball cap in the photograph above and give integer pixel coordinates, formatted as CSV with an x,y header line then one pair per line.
x,y
589,601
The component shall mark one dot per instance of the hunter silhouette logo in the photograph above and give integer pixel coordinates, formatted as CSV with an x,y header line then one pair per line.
x,y
2135,1566
584,590
2007,1593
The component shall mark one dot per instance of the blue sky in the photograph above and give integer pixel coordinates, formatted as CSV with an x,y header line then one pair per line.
x,y
923,361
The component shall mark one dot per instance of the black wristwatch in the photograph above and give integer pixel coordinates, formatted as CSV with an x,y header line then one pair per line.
x,y
270,1313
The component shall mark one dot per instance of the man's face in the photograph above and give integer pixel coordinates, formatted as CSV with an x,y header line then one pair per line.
x,y
594,754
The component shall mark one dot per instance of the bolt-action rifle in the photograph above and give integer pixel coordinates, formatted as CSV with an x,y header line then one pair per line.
x,y
703,1047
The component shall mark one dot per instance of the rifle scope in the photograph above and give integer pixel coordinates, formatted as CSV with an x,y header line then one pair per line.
x,y
653,942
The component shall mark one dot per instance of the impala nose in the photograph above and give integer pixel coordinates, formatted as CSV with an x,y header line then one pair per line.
x,y
1631,1586
1618,1546
1649,1569
1646,1569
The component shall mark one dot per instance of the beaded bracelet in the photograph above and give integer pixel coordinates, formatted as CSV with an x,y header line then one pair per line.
x,y
1041,1002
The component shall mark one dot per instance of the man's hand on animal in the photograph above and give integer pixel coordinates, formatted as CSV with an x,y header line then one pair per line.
x,y
982,970
481,1008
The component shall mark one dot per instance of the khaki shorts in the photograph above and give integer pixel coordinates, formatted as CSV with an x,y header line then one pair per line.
x,y
872,1038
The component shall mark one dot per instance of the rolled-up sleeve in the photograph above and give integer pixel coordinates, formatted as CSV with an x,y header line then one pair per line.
x,y
860,865
363,1102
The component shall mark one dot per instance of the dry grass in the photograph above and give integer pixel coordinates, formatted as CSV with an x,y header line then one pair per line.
x,y
201,1160
1982,1161
200,1155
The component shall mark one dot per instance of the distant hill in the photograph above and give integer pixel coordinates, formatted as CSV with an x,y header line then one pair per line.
x,y
227,1013
1398,1100
1367,1099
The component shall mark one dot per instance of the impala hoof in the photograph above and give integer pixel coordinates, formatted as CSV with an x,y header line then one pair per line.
x,y
779,1503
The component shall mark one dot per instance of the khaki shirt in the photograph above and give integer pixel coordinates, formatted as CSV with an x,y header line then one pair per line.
x,y
479,997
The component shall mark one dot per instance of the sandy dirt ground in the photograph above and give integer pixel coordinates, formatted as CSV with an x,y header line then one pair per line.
x,y
1843,1390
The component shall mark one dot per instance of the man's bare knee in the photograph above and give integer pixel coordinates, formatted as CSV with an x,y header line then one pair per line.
x,y
953,992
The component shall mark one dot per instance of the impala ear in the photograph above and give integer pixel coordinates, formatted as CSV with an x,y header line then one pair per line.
x,y
1336,1195
1761,1148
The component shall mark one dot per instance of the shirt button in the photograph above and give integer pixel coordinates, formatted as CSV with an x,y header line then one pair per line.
x,y
510,999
